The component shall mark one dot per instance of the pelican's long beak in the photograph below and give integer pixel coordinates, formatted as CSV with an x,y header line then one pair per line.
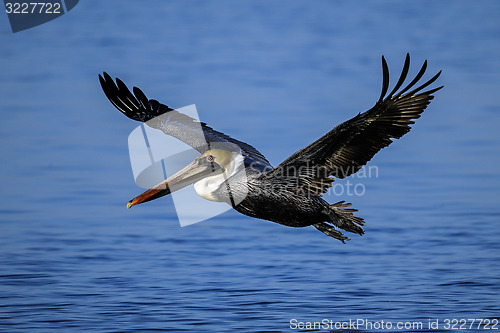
x,y
188,175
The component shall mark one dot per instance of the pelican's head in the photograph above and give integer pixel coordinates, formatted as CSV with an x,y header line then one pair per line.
x,y
207,172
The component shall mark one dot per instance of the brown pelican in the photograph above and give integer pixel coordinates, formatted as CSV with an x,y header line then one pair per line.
x,y
291,193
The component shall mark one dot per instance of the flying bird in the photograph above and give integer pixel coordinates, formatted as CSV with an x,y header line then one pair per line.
x,y
290,194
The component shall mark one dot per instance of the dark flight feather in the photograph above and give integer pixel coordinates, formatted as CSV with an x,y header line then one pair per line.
x,y
350,145
198,135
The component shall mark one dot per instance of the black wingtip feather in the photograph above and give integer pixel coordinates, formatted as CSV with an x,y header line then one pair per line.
x,y
385,78
136,106
433,91
141,97
414,81
426,84
403,75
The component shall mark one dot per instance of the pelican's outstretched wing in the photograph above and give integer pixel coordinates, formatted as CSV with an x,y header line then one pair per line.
x,y
196,134
350,145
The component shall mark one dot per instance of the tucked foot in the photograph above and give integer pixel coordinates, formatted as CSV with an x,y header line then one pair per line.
x,y
330,231
344,218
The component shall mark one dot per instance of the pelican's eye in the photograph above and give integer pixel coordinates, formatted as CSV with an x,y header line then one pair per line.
x,y
210,158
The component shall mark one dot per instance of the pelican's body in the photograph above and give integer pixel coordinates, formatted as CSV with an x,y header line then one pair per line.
x,y
260,200
234,172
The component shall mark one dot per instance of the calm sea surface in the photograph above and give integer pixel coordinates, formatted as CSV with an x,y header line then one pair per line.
x,y
277,75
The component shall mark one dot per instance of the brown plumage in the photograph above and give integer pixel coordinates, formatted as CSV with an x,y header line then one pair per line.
x,y
289,194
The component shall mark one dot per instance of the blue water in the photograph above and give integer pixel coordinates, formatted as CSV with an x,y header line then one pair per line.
x,y
277,75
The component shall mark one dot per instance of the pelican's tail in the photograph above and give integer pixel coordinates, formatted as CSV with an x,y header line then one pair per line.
x,y
343,218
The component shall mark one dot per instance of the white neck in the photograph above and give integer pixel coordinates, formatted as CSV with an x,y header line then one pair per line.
x,y
206,186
